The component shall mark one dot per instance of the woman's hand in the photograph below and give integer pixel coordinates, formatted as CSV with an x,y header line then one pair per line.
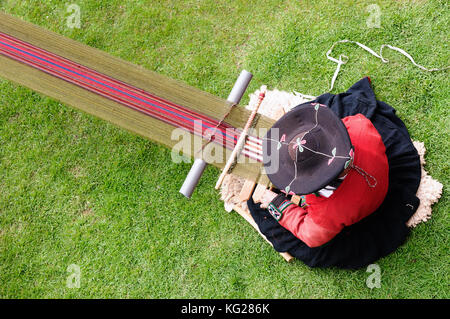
x,y
266,198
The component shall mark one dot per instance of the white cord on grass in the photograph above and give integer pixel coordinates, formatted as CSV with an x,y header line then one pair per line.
x,y
343,58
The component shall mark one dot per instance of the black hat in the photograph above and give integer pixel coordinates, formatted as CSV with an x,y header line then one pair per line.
x,y
306,149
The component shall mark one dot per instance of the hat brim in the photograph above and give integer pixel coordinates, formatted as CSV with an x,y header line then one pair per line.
x,y
322,164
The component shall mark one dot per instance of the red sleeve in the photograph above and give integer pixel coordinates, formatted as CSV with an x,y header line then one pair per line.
x,y
299,223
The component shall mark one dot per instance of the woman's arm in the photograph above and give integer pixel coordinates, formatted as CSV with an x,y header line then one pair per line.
x,y
296,219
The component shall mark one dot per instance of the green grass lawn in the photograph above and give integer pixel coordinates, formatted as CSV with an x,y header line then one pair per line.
x,y
77,190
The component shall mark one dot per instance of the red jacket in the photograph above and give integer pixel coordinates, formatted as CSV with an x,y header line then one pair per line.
x,y
323,218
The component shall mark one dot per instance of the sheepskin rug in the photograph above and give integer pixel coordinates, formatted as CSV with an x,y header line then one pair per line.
x,y
275,104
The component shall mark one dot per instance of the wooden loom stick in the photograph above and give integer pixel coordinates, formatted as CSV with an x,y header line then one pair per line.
x,y
197,169
247,189
241,141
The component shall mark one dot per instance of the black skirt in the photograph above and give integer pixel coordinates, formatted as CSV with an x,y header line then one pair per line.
x,y
383,231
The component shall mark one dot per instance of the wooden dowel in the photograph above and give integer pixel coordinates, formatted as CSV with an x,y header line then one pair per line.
x,y
240,142
247,190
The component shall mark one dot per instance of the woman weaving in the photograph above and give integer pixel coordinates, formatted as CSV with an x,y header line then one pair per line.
x,y
351,159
